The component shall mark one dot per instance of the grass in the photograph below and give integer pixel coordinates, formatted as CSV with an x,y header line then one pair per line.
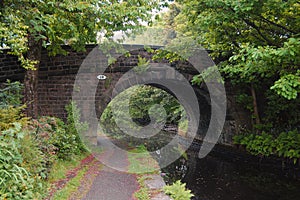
x,y
61,167
140,161
143,193
183,127
71,186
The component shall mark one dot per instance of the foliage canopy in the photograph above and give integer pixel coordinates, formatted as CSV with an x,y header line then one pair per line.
x,y
70,22
258,46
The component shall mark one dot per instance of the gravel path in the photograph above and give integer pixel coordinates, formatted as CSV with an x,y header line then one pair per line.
x,y
112,184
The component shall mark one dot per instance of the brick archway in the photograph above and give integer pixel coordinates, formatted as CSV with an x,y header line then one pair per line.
x,y
58,73
100,92
151,80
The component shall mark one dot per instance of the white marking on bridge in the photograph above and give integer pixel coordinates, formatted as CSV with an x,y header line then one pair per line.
x,y
101,77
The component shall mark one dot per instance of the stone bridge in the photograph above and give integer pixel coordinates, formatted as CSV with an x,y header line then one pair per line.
x,y
61,77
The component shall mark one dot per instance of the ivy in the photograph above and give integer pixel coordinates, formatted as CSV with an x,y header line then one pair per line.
x,y
142,66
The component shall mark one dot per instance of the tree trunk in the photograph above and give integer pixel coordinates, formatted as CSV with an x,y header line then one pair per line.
x,y
31,78
255,107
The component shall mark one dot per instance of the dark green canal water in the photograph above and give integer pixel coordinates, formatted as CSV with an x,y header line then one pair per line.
x,y
226,176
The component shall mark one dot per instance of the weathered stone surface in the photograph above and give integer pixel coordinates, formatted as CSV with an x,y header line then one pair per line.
x,y
155,182
161,196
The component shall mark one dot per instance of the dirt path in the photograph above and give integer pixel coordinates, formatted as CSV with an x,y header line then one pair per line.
x,y
101,182
111,184
58,185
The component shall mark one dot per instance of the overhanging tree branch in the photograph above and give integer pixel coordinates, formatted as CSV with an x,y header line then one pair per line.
x,y
277,25
253,25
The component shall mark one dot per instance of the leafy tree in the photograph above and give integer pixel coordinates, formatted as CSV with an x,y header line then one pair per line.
x,y
258,43
142,99
28,25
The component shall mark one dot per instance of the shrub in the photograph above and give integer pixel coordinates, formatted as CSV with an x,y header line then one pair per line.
x,y
262,144
10,94
57,139
10,105
22,163
27,155
286,145
15,181
74,126
10,115
53,139
35,162
65,143
177,191
42,130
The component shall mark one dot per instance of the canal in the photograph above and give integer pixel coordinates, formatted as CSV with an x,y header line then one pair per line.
x,y
227,174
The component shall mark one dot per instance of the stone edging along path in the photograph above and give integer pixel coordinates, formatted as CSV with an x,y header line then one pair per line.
x,y
155,183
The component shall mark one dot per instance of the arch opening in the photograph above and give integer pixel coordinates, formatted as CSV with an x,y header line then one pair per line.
x,y
145,101
142,100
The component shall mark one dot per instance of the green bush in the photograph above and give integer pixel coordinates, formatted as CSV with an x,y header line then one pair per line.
x,y
10,115
59,139
262,144
33,158
15,181
53,139
35,162
74,126
10,94
29,148
65,142
177,191
10,105
286,145
42,130
22,164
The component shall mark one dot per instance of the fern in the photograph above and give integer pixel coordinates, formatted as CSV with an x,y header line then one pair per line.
x,y
177,191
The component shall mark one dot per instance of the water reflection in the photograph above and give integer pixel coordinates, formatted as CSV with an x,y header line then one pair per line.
x,y
214,178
